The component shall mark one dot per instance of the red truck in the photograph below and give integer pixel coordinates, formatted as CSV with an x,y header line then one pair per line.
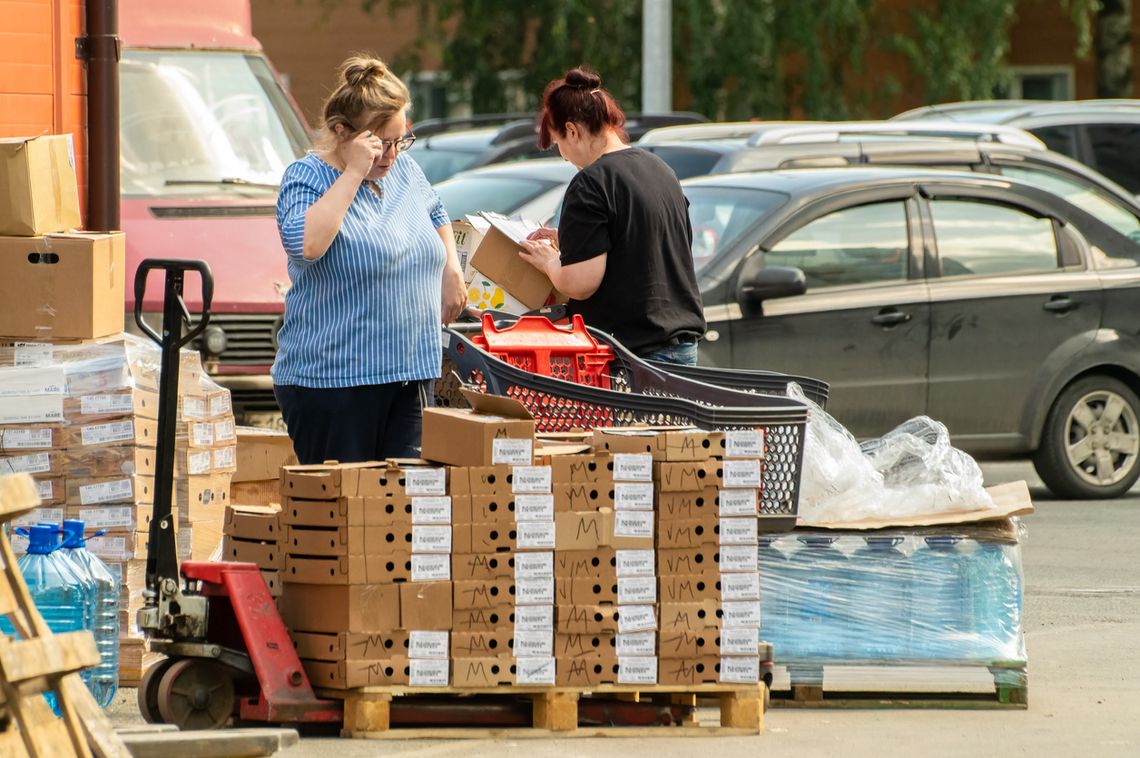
x,y
205,128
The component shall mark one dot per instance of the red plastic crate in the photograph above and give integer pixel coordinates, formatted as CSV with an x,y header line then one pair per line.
x,y
535,345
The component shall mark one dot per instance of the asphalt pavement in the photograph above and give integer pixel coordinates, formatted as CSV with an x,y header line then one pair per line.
x,y
1082,622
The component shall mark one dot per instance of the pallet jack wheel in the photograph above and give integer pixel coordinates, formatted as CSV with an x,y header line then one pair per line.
x,y
148,691
196,694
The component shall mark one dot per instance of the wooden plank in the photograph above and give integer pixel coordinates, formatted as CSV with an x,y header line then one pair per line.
x,y
740,710
556,711
18,495
635,732
216,744
601,689
97,729
366,712
24,660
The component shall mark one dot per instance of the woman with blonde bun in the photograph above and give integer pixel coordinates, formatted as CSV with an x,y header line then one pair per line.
x,y
374,273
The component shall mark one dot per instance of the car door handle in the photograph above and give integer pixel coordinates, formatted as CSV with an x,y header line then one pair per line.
x,y
1060,304
890,317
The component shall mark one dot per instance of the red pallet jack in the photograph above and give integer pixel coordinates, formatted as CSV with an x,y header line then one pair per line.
x,y
228,653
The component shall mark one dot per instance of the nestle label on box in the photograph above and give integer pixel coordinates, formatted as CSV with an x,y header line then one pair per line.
x,y
530,480
636,618
740,614
633,496
740,586
536,535
534,507
423,644
633,467
738,558
431,568
426,672
534,590
431,539
739,641
637,644
535,671
744,443
425,481
637,670
533,643
637,589
636,563
742,669
534,617
738,531
514,452
533,564
739,502
633,524
431,510
742,473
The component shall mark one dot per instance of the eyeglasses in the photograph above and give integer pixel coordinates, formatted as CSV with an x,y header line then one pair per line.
x,y
402,144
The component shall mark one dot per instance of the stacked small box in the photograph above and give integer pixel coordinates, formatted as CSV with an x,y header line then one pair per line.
x,y
252,534
205,458
535,541
429,649
636,640
261,453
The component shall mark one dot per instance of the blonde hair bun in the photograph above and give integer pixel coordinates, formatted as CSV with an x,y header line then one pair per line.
x,y
359,71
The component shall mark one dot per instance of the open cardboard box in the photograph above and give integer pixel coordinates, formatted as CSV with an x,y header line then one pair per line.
x,y
1010,499
475,437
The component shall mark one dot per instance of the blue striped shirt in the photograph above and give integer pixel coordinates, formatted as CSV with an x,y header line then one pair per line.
x,y
368,310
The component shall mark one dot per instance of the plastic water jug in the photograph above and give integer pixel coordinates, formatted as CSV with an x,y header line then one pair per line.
x,y
774,622
995,586
942,613
819,600
880,600
104,679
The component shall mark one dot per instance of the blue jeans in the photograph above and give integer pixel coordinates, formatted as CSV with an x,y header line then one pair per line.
x,y
684,354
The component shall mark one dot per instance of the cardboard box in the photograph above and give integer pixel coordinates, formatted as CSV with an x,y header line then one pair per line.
x,y
342,540
45,464
485,294
579,531
574,564
108,461
686,589
202,498
347,608
489,593
583,496
265,492
497,258
72,285
484,619
691,671
587,672
483,672
480,436
585,619
122,517
253,522
128,431
688,645
685,476
686,505
689,617
267,555
110,490
483,509
580,468
425,605
688,533
702,560
572,646
316,646
350,674
376,646
261,454
468,237
481,567
495,643
41,192
22,438
585,591
664,443
103,406
483,538
340,569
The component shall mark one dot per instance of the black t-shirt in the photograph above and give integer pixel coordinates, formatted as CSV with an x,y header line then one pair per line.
x,y
628,204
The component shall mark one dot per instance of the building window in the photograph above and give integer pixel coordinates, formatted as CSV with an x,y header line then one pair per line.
x,y
429,93
1040,83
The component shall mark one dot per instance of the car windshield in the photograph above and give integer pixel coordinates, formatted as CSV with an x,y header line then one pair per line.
x,y
462,195
442,164
204,123
686,161
721,216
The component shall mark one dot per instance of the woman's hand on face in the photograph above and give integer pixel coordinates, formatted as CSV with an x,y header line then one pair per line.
x,y
544,233
454,294
540,254
359,153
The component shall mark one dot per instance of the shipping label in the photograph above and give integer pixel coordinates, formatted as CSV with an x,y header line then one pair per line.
x,y
740,614
636,644
530,480
633,524
34,409
102,434
199,463
105,405
38,515
744,443
637,670
224,431
109,518
739,641
637,589
201,435
219,404
633,467
33,354
431,510
533,644
738,558
534,671
26,464
740,586
738,531
431,568
429,672
633,496
742,473
534,590
636,618
535,535
109,547
224,458
636,563
740,669
739,502
46,489
25,439
512,452
534,564
193,408
32,380
431,539
424,644
535,617
106,492
425,481
534,508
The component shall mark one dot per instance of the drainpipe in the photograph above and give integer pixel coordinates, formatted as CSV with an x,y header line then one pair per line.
x,y
101,49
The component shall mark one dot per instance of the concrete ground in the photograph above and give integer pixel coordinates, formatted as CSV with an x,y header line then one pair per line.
x,y
1082,615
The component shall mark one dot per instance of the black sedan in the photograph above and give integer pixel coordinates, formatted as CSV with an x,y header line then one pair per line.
x,y
993,306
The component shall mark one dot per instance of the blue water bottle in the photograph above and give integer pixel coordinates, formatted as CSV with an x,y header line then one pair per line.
x,y
880,600
819,600
774,578
104,679
995,583
942,609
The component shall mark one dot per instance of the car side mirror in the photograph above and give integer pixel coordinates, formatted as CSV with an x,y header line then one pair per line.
x,y
769,283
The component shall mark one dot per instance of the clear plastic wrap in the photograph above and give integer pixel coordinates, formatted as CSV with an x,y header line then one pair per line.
x,y
931,596
913,470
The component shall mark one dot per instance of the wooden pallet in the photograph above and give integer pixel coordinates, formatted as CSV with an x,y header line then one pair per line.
x,y
367,711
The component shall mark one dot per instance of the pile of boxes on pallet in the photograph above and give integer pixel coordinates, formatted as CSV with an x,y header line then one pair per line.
x,y
622,561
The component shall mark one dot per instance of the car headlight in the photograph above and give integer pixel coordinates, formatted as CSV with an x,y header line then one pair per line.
x,y
214,340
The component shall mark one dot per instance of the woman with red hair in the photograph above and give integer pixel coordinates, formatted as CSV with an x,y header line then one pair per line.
x,y
623,248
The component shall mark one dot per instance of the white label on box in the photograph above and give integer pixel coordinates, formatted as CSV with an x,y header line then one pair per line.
x,y
193,408
431,510
31,409
101,434
199,463
534,671
636,563
422,644
96,405
224,458
109,517
431,568
534,590
737,614
111,547
633,496
633,467
740,586
738,531
431,539
734,558
739,641
202,435
535,617
220,404
633,524
535,535
25,439
741,473
33,354
739,502
744,443
106,492
534,564
533,644
534,508
428,672
637,670
46,489
32,380
512,452
636,618
530,479
26,464
224,431
425,481
38,515
740,669
637,589
637,644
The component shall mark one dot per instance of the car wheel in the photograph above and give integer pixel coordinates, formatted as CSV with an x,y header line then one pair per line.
x,y
1090,447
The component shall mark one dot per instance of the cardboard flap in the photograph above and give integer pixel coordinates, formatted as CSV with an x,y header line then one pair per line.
x,y
496,405
561,449
1010,499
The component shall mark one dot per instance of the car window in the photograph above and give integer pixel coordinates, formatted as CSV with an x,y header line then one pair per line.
x,y
977,238
721,215
1116,152
685,161
1059,139
860,245
462,195
1084,196
441,164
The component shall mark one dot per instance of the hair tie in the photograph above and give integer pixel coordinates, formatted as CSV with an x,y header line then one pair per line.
x,y
595,91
